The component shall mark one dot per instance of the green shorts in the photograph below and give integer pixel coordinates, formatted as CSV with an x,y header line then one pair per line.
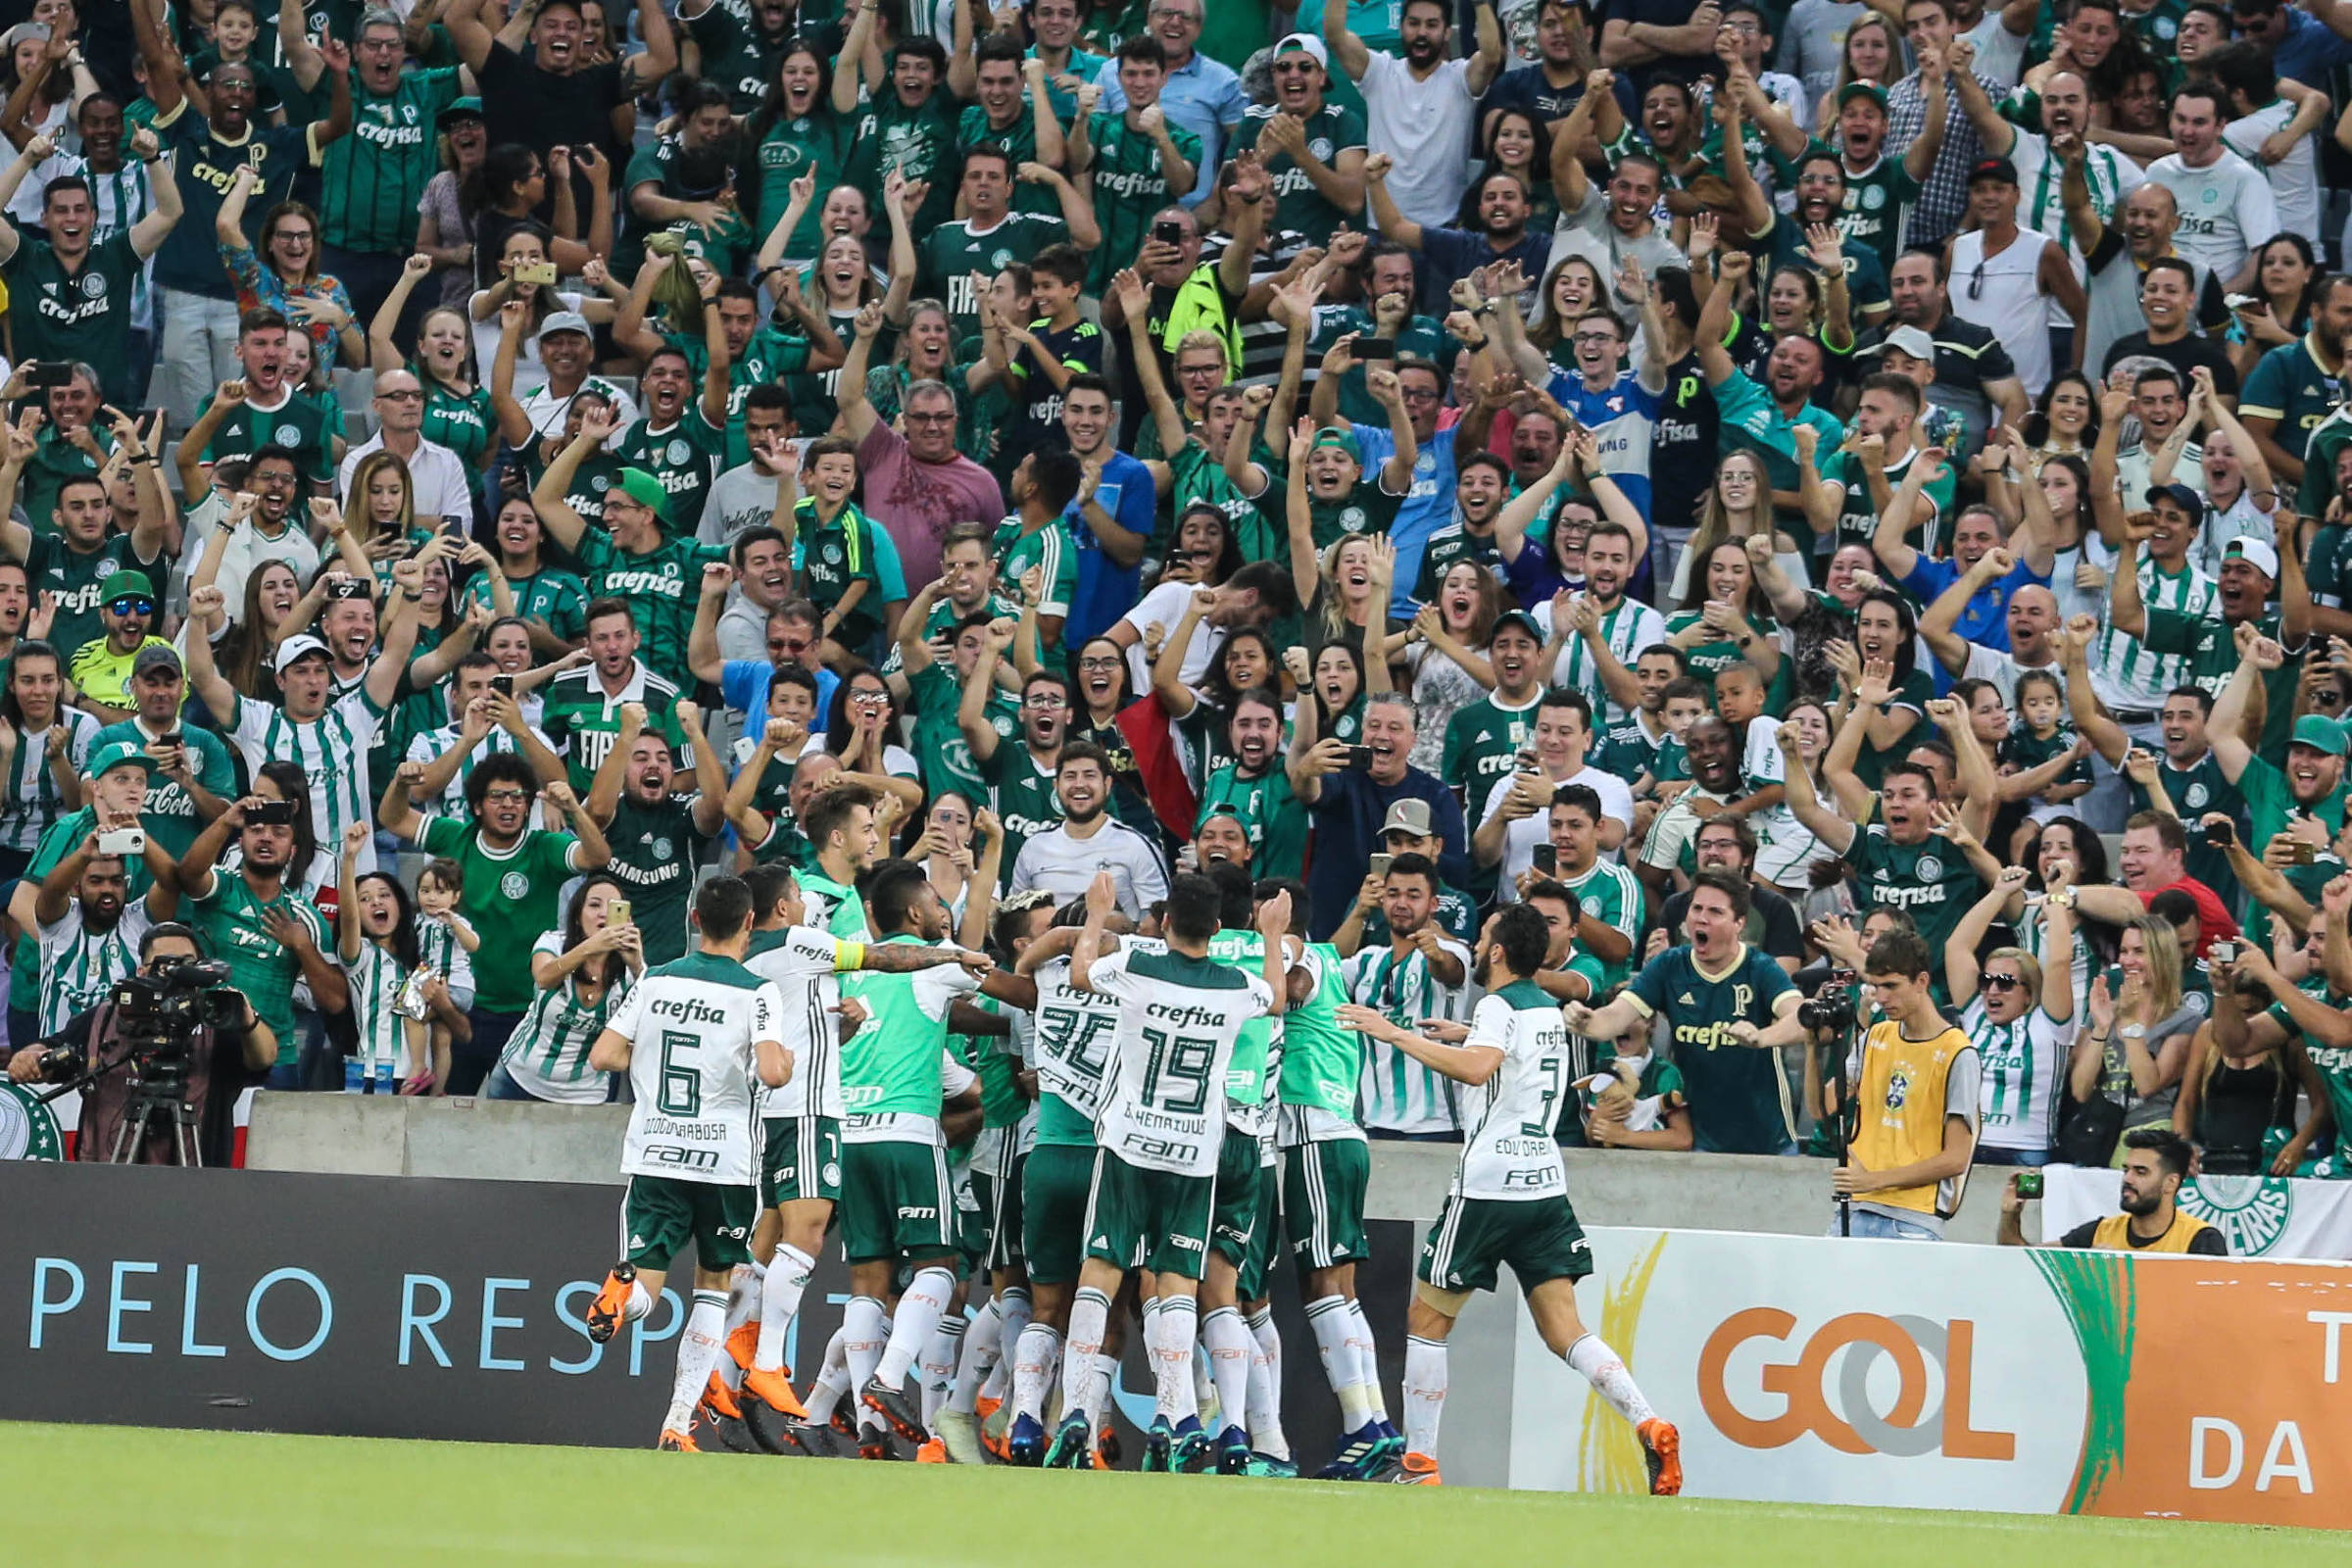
x,y
1054,1180
971,1241
1137,1218
1538,1237
803,1160
660,1215
1265,1244
1323,1201
999,1195
896,1202
1234,1226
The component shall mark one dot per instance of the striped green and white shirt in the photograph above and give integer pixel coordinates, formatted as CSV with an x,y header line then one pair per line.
x,y
30,801
78,965
2123,674
433,745
1396,1093
547,1056
439,951
377,978
1627,629
2021,1061
332,753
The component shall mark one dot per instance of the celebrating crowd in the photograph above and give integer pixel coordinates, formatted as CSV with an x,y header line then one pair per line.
x,y
1848,502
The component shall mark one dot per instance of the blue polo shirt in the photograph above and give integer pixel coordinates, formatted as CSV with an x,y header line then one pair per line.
x,y
743,685
1106,590
1203,96
2310,51
1428,506
1986,619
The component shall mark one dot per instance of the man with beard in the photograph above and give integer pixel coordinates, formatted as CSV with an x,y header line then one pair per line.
x,y
1111,519
1778,419
1605,631
1607,225
2253,571
88,934
1631,749
2225,203
242,416
199,300
1974,373
1421,110
2156,1161
656,834
2296,385
767,482
71,563
1254,788
101,668
1713,752
2039,156
84,281
967,586
1859,482
1409,829
1876,187
1066,857
1516,816
1454,253
266,932
1389,306
1923,98
1009,108
1902,860
1311,148
1550,87
1774,927
1820,200
1352,805
2117,256
554,97
581,709
1417,974
1731,1010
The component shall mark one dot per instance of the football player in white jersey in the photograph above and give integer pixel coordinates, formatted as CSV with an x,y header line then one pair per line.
x,y
691,1036
1508,1202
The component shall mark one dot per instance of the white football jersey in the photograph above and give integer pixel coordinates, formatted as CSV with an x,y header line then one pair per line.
x,y
1165,1105
1508,1152
804,966
1068,1037
690,1026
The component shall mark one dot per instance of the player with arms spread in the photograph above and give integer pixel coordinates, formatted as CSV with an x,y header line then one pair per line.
x,y
1508,1202
707,1025
1161,1130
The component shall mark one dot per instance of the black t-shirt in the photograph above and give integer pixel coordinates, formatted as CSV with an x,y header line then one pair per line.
x,y
2207,1243
1772,927
1528,89
2183,355
1133,410
541,109
1968,355
1682,446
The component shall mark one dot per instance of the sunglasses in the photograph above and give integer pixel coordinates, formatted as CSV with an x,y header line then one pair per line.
x,y
131,607
2002,982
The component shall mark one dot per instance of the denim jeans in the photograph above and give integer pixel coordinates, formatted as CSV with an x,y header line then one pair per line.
x,y
1879,1227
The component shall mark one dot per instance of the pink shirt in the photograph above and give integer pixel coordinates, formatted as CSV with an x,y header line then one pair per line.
x,y
919,502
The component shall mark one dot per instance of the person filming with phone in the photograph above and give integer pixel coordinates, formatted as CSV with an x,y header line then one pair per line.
x,y
1350,789
2155,1164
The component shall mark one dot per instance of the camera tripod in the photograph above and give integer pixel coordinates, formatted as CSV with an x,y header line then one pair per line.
x,y
148,1100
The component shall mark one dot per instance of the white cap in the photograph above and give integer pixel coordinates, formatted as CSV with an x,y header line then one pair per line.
x,y
2261,551
294,648
1911,340
1305,42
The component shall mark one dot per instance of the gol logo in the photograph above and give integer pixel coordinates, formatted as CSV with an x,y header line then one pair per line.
x,y
1841,1415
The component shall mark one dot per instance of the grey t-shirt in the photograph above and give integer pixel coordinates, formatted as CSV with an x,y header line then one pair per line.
x,y
741,498
1064,865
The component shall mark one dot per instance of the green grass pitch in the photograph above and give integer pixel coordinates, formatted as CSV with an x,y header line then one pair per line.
x,y
91,1495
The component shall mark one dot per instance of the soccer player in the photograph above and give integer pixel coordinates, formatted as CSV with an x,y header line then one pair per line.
x,y
1508,1202
1161,1131
707,1025
896,1204
800,1167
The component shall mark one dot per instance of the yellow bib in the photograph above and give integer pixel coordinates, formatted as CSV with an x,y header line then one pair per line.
x,y
2115,1235
1901,1100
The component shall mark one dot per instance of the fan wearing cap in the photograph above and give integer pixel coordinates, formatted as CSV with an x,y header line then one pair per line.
x,y
1313,148
553,362
2299,803
372,179
101,667
191,779
2253,571
72,561
2004,278
87,928
658,578
325,736
1820,199
1407,829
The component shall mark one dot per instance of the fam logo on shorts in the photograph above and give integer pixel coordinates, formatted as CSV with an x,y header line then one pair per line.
x,y
832,1173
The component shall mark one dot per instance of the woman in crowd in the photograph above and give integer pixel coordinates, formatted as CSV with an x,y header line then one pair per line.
x,y
522,248
581,975
381,512
1870,56
444,217
2017,1015
860,729
457,406
1725,620
1446,651
2136,1047
2285,269
2245,1069
1789,851
926,352
391,1048
43,744
284,275
551,599
512,185
1202,713
1572,286
796,127
1515,142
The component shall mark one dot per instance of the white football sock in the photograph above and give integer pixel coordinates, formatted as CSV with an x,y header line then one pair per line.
x,y
919,1312
1334,1327
1265,1387
1179,1332
938,1366
1034,1357
1014,1300
833,1374
1229,1344
866,1332
1106,1384
697,1347
1424,1392
1090,1315
780,1302
743,1295
982,1342
1367,1360
641,1302
1601,1367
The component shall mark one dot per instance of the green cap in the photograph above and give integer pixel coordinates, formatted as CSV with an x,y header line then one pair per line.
x,y
118,754
1861,89
461,109
2321,733
646,490
119,583
1340,436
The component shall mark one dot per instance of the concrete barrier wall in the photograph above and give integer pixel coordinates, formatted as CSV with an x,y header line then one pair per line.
x,y
511,1141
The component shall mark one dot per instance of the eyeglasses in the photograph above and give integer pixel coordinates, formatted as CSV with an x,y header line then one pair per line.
x,y
293,236
1421,395
1180,13
913,417
128,605
406,394
2002,982
1046,702
1596,337
1101,661
505,797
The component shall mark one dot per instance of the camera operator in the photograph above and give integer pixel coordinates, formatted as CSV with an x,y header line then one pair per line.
x,y
2155,1164
86,928
263,929
218,1058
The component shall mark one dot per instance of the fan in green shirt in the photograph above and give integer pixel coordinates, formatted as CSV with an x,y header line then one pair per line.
x,y
937,694
1014,114
657,832
1308,135
70,299
1254,790
914,125
806,137
2304,800
266,932
844,569
371,179
1138,161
